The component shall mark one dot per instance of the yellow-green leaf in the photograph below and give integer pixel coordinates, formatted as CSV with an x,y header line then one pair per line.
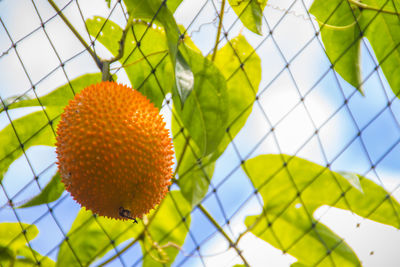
x,y
250,12
91,237
167,231
292,189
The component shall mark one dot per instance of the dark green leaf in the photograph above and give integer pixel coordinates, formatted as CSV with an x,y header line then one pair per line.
x,y
242,84
341,24
287,221
250,13
194,171
157,10
167,231
50,193
138,62
90,237
205,112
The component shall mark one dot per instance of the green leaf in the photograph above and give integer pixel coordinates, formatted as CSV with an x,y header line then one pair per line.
x,y
194,171
52,191
287,221
11,234
383,32
34,129
250,12
157,10
341,37
173,5
138,62
13,248
242,84
298,264
205,112
60,96
27,257
341,24
90,237
167,231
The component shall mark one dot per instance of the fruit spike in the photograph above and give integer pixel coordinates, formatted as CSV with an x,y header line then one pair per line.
x,y
114,152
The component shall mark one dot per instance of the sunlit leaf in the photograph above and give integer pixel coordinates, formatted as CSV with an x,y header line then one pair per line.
x,y
167,231
28,257
139,62
383,32
51,192
60,96
341,37
91,237
292,189
156,10
12,234
173,5
32,130
13,248
35,128
342,23
241,67
250,12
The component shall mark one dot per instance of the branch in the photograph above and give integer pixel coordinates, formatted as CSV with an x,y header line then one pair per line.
x,y
77,35
221,17
219,228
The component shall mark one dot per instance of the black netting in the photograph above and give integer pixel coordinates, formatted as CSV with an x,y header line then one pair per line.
x,y
302,107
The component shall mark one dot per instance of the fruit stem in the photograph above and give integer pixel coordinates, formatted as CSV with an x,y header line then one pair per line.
x,y
106,76
221,17
219,228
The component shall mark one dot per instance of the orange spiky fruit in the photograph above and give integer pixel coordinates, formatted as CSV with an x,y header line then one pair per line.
x,y
114,153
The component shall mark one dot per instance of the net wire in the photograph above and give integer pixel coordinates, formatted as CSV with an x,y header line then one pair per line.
x,y
220,224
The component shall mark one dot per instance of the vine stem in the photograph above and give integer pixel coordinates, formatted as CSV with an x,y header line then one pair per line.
x,y
221,17
121,251
141,235
219,228
364,6
77,35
